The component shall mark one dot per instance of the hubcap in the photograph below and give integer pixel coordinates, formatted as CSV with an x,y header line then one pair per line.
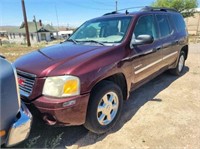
x,y
181,63
107,108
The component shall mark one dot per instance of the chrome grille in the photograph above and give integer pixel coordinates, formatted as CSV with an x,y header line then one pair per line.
x,y
26,83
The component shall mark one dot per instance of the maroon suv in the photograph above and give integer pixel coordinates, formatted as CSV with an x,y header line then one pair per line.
x,y
85,79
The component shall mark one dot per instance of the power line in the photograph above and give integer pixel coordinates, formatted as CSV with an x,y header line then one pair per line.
x,y
131,8
105,4
86,6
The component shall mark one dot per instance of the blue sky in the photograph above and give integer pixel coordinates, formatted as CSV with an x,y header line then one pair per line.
x,y
69,12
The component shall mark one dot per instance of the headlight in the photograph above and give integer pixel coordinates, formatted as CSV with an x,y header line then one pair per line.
x,y
61,86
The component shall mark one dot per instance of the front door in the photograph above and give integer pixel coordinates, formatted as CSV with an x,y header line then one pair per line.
x,y
147,58
43,36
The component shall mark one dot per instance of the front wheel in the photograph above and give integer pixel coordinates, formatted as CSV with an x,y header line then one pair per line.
x,y
104,107
180,66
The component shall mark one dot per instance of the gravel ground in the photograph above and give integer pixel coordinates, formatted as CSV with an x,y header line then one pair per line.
x,y
164,114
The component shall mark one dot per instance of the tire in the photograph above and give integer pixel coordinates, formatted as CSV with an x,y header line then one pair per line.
x,y
105,106
180,65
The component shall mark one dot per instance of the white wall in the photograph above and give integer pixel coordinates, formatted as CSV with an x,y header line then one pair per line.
x,y
16,38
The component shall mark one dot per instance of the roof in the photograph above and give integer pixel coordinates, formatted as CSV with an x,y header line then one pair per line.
x,y
32,28
43,28
144,10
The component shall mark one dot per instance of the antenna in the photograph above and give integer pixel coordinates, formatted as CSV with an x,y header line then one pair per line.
x,y
116,6
57,16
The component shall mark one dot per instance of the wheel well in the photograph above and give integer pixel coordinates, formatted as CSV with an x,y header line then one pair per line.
x,y
120,80
185,49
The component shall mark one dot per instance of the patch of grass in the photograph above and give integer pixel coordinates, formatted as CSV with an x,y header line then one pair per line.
x,y
31,142
195,73
48,143
54,142
12,51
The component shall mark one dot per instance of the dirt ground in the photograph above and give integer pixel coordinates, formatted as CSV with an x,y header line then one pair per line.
x,y
162,114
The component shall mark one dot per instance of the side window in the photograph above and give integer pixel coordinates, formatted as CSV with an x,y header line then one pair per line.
x,y
146,26
163,24
178,22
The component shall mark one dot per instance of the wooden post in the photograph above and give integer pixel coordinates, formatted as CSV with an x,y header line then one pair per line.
x,y
26,24
198,24
36,29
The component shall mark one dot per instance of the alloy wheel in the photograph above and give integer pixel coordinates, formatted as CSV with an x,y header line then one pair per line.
x,y
181,63
107,108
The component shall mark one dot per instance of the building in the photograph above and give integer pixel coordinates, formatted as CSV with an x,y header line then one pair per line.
x,y
37,31
64,34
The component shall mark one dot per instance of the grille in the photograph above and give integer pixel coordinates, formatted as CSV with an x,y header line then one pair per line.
x,y
26,83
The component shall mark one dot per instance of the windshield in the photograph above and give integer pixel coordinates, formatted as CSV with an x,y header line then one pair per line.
x,y
102,31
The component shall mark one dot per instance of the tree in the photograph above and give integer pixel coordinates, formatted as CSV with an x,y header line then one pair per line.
x,y
186,7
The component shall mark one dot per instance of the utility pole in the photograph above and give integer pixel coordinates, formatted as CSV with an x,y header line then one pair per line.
x,y
36,28
116,3
26,24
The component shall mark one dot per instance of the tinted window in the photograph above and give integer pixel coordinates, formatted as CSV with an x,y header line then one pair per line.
x,y
146,26
178,22
163,25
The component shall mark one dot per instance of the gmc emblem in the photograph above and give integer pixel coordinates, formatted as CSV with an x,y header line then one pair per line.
x,y
21,81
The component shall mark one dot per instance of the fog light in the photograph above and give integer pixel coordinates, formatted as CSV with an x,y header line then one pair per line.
x,y
69,103
2,133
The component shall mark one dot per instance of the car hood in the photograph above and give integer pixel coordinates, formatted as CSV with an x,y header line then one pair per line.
x,y
43,61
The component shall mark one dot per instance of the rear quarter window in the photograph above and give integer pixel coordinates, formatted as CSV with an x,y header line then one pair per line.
x,y
179,22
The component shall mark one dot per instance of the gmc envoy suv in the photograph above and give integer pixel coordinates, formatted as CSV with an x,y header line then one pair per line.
x,y
86,79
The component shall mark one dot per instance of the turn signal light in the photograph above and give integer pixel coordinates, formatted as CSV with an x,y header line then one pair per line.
x,y
2,133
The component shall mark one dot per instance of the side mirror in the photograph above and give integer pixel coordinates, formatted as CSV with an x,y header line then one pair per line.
x,y
141,39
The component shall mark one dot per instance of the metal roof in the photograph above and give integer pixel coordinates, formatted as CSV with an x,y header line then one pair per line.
x,y
32,28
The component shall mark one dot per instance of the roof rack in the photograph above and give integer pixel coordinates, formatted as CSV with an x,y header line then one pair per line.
x,y
110,13
124,9
147,8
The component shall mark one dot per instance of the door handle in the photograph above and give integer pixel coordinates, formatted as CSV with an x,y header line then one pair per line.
x,y
157,48
175,42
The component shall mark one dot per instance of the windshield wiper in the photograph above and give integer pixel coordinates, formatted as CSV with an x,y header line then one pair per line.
x,y
94,41
71,40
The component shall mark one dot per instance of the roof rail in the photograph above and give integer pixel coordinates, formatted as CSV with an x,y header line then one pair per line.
x,y
148,8
110,13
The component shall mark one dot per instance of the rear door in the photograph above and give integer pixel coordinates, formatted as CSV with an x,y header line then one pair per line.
x,y
168,39
181,35
147,58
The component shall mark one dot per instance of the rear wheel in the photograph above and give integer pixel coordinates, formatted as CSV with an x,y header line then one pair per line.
x,y
180,66
104,107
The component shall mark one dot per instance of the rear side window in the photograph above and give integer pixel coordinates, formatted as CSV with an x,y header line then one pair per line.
x,y
178,22
164,26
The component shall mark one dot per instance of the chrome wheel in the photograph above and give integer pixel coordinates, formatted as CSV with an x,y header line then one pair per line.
x,y
181,63
107,108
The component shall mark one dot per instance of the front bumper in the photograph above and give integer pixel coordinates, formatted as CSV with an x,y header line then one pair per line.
x,y
20,130
63,111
